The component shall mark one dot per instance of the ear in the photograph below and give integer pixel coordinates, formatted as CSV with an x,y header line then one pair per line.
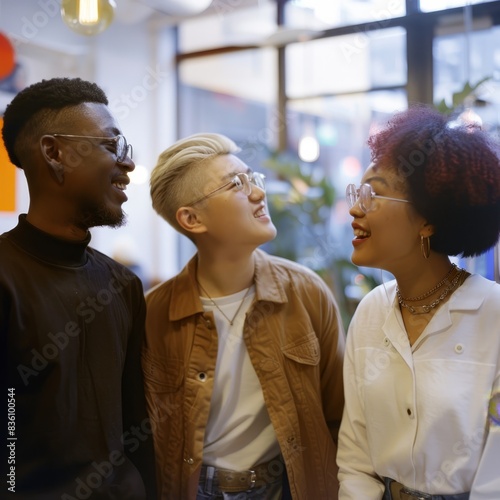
x,y
427,230
190,220
53,157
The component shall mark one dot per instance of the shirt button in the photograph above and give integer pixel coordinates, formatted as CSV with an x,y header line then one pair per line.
x,y
202,377
387,342
459,348
410,413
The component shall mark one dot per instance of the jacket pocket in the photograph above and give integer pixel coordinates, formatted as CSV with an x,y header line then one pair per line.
x,y
305,351
162,376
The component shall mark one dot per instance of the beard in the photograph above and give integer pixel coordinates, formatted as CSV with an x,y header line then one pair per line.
x,y
95,215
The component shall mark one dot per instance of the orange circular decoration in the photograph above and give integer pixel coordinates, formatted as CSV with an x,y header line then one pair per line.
x,y
7,61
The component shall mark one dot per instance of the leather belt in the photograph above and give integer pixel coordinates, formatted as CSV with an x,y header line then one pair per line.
x,y
401,492
231,481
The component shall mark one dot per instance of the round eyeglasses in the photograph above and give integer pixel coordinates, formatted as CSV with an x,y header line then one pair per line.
x,y
364,195
240,182
122,148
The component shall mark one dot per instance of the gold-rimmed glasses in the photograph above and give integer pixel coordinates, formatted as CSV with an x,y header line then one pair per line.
x,y
240,182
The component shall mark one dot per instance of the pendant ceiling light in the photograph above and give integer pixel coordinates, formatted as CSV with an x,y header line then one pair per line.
x,y
88,17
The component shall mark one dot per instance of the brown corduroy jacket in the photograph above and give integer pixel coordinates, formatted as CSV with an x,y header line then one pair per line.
x,y
295,340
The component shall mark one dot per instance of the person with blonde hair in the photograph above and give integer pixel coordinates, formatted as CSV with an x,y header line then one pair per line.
x,y
243,353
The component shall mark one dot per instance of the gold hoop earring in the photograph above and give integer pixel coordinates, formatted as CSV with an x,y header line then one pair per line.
x,y
425,247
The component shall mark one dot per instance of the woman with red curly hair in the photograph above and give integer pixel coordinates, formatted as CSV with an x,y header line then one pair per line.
x,y
422,365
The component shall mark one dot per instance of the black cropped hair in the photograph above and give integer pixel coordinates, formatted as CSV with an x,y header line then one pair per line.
x,y
40,100
451,173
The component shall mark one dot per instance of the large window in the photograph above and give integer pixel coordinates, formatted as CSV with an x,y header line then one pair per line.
x,y
434,5
272,74
322,14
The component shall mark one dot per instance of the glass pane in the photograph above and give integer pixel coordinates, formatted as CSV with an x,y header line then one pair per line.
x,y
324,14
342,126
453,67
229,25
433,5
233,94
347,63
308,204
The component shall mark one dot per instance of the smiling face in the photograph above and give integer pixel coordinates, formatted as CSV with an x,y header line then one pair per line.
x,y
388,236
230,217
93,181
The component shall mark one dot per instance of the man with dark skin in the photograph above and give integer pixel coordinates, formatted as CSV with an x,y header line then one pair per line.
x,y
72,318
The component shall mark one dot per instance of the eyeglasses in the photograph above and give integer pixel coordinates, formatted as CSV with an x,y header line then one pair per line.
x,y
365,196
241,182
121,146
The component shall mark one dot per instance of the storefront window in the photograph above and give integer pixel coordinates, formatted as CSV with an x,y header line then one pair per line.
x,y
347,63
321,14
434,5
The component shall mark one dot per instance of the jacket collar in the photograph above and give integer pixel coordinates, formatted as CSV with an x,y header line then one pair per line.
x,y
185,295
469,297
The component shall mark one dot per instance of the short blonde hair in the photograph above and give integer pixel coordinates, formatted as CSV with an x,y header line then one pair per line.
x,y
172,182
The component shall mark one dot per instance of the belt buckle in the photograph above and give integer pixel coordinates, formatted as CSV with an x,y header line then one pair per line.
x,y
409,494
253,479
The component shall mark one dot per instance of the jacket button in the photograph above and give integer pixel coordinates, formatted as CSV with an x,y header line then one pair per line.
x,y
190,461
202,377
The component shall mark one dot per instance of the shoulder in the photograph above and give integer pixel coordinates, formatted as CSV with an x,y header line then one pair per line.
x,y
159,291
285,268
375,306
478,290
281,280
383,294
5,243
100,262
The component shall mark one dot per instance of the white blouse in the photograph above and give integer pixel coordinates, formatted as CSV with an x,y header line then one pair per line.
x,y
419,414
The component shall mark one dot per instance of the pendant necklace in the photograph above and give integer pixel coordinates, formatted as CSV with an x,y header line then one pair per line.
x,y
230,321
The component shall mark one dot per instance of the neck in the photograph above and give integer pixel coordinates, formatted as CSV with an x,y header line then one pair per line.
x,y
54,227
225,275
422,276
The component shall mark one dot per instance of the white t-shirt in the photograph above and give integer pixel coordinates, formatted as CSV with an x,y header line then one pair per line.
x,y
239,433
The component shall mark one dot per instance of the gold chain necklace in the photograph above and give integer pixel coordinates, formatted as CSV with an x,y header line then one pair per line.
x,y
230,321
425,308
433,289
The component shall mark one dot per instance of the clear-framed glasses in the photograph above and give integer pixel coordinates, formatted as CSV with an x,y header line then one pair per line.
x,y
122,148
364,195
240,182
